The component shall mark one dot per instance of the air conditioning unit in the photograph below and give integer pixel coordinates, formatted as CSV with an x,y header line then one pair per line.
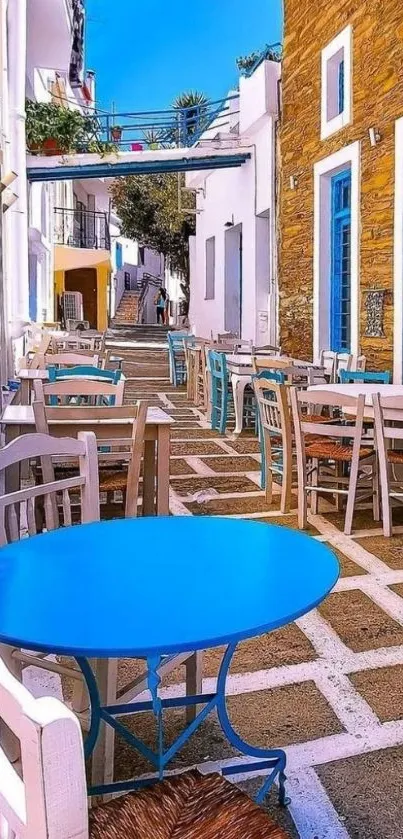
x,y
72,305
77,325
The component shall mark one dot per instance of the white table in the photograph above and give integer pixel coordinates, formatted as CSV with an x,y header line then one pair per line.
x,y
19,419
368,389
241,371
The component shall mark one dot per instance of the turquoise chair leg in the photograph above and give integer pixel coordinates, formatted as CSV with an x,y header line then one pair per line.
x,y
224,407
262,454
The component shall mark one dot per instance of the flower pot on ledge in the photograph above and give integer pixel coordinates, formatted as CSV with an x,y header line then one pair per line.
x,y
48,148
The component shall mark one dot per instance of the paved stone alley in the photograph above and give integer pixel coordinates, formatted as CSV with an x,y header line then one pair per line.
x,y
329,687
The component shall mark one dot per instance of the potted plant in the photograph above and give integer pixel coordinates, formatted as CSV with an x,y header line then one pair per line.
x,y
116,133
54,130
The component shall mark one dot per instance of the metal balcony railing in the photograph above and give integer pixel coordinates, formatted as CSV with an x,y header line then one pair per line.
x,y
81,229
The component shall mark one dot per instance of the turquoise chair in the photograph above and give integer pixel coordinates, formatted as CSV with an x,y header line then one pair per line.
x,y
221,394
274,376
362,377
63,373
219,390
177,360
111,376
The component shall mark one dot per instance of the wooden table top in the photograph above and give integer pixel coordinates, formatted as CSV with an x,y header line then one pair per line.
x,y
24,415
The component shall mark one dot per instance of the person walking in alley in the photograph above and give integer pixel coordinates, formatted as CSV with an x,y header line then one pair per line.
x,y
160,301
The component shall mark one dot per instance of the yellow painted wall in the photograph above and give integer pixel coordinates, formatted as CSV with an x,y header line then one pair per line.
x,y
103,274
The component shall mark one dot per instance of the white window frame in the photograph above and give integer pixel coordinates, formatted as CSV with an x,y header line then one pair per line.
x,y
349,156
398,257
343,41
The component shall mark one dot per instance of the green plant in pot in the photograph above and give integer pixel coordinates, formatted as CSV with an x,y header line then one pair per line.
x,y
52,129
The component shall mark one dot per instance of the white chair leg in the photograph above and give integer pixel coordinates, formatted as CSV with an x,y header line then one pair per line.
x,y
8,741
194,681
352,490
314,482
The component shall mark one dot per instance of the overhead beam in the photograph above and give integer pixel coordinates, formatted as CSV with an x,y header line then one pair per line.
x,y
133,167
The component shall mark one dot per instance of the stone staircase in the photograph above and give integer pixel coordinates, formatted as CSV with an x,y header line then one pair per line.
x,y
143,333
127,313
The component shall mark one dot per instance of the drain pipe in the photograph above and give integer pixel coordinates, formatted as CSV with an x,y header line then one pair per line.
x,y
18,275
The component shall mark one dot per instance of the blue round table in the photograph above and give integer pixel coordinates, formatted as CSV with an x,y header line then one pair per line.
x,y
151,587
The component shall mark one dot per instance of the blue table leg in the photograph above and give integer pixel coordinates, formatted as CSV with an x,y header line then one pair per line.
x,y
273,758
270,759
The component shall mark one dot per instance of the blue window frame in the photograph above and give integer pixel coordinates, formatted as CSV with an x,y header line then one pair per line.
x,y
340,277
341,86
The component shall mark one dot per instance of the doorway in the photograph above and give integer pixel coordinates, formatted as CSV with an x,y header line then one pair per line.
x,y
85,281
233,280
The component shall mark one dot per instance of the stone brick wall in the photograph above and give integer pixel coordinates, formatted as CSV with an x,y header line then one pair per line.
x,y
377,101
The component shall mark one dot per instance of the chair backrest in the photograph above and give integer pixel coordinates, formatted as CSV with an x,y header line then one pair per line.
x,y
274,415
338,429
56,374
262,362
360,363
93,392
70,359
218,366
128,448
176,340
387,409
361,376
18,509
344,361
73,342
327,360
48,800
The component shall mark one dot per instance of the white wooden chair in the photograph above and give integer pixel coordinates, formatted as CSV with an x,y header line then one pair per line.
x,y
65,391
119,459
19,510
277,448
327,360
344,361
386,410
314,457
45,797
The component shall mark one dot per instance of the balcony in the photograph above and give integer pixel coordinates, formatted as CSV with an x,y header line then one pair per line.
x,y
81,229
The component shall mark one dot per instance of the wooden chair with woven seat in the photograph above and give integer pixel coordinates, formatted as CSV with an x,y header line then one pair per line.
x,y
119,459
313,455
276,434
46,798
387,410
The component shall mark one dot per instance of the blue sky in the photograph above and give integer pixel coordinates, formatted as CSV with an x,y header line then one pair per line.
x,y
146,53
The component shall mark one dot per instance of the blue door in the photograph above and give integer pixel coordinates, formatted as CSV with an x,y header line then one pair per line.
x,y
340,277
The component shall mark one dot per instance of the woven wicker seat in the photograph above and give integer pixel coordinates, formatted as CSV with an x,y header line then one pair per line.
x,y
112,480
316,418
395,455
190,806
334,451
